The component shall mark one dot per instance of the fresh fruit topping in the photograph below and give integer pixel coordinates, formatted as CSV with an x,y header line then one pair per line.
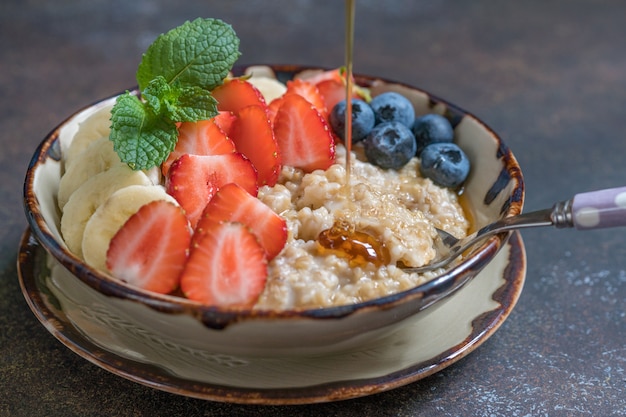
x,y
194,179
310,92
235,94
253,136
336,74
269,86
150,250
332,86
304,138
227,267
333,91
98,157
203,137
389,145
431,128
233,203
445,164
175,78
111,215
94,127
89,196
225,120
393,107
362,119
273,107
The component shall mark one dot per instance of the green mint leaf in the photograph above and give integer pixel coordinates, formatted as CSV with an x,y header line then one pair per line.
x,y
198,53
193,104
188,104
158,94
140,137
175,77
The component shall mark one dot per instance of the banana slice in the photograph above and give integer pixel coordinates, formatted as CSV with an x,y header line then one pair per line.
x,y
111,216
271,88
97,157
155,175
96,126
89,196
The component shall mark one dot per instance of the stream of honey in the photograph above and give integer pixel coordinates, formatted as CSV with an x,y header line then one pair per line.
x,y
342,238
349,80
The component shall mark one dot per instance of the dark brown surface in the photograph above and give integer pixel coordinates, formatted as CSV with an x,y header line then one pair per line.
x,y
549,77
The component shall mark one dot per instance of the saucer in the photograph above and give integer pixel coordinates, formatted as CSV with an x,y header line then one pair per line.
x,y
420,347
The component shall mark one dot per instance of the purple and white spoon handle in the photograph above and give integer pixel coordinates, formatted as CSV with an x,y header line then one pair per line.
x,y
597,209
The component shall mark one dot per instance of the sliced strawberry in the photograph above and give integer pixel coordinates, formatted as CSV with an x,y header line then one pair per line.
x,y
305,89
233,203
336,74
227,267
150,250
225,120
253,136
236,94
304,138
204,137
194,179
332,91
273,107
310,92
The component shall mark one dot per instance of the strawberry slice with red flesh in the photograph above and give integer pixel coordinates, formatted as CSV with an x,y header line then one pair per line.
x,y
227,267
235,94
310,92
333,91
150,249
304,138
332,87
336,74
233,203
273,107
224,120
253,136
305,89
203,137
194,179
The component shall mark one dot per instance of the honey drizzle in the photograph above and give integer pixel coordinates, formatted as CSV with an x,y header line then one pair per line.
x,y
361,248
342,238
349,80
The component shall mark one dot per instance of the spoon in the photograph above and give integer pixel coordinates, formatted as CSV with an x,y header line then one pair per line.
x,y
585,211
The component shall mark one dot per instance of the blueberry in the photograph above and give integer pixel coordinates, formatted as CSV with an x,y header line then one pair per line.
x,y
445,163
389,145
431,128
362,119
393,107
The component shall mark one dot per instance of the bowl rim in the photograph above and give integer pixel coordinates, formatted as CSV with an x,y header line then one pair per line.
x,y
217,317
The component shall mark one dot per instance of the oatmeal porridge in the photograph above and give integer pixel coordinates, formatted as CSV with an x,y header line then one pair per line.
x,y
397,207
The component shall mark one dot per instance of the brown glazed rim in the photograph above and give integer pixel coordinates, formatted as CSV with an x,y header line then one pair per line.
x,y
214,317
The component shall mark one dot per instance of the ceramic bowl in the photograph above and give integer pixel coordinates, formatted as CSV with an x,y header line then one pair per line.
x,y
493,190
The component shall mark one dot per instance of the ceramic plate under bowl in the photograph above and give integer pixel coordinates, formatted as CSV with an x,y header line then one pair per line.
x,y
423,345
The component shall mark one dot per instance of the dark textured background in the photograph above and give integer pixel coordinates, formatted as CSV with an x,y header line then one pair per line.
x,y
548,76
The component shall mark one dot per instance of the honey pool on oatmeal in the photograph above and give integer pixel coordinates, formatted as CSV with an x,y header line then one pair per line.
x,y
399,208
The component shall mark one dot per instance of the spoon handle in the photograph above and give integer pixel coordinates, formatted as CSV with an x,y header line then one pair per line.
x,y
599,209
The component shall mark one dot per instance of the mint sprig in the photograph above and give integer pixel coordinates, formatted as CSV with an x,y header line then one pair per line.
x,y
175,77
